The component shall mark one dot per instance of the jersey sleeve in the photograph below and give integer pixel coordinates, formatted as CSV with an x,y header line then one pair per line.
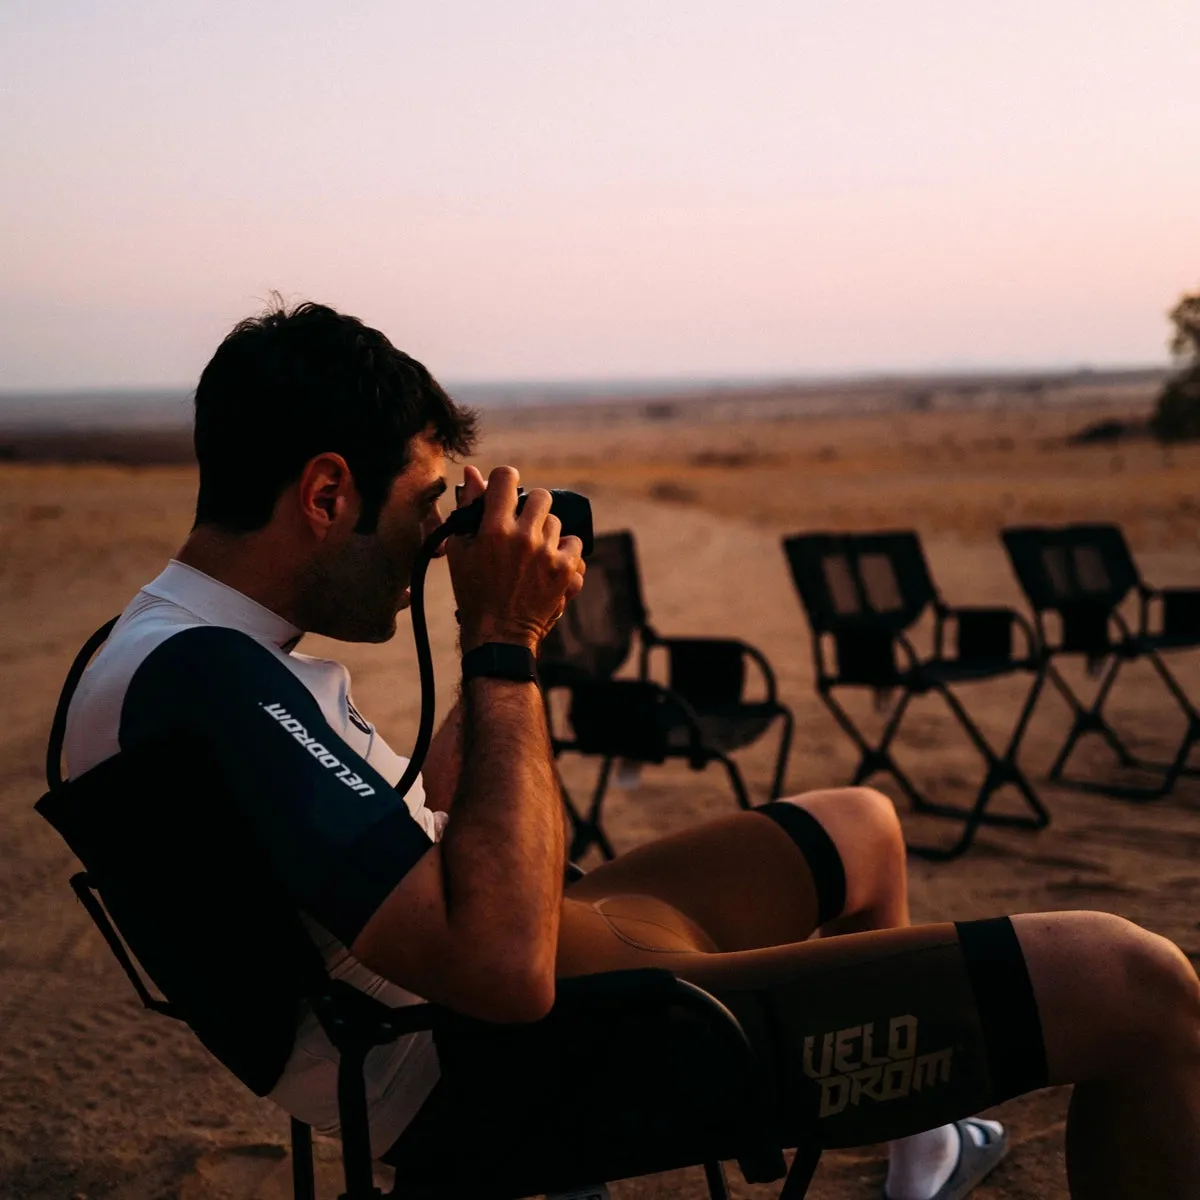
x,y
339,837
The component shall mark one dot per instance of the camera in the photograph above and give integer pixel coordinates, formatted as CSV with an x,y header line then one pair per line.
x,y
572,509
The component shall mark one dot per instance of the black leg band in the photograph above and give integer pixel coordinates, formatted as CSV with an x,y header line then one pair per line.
x,y
1008,1012
824,861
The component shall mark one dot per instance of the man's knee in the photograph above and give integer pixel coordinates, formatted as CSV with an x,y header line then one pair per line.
x,y
1158,975
866,831
860,820
1113,996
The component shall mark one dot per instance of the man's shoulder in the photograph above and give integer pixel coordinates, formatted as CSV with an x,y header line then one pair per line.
x,y
153,639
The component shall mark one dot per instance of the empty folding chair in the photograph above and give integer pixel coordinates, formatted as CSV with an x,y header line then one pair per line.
x,y
1082,574
862,593
702,714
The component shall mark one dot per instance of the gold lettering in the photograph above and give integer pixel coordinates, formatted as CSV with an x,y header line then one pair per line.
x,y
869,1057
843,1048
902,1037
897,1080
865,1083
826,1057
929,1066
835,1095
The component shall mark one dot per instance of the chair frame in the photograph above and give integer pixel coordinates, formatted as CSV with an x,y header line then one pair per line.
x,y
918,677
1109,657
698,752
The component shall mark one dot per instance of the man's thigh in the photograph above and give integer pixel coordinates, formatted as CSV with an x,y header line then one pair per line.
x,y
872,1036
742,879
881,1034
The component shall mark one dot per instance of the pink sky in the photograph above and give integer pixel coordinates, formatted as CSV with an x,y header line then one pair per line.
x,y
564,190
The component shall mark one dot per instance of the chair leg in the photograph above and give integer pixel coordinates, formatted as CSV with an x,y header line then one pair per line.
x,y
592,832
357,1163
304,1184
714,1174
1091,720
1179,765
587,831
876,759
785,746
1001,770
800,1174
736,782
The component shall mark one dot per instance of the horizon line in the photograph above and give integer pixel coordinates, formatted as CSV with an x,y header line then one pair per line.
x,y
684,382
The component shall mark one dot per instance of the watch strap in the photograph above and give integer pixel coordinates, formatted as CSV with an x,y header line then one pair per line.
x,y
500,660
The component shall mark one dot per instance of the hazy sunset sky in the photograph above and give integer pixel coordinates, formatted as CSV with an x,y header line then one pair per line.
x,y
536,190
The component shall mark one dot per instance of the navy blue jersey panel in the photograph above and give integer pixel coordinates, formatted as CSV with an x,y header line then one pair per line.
x,y
337,833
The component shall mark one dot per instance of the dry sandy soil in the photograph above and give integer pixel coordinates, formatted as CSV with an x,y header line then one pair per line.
x,y
99,1100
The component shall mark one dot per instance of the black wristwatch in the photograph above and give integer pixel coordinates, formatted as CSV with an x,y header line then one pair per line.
x,y
500,660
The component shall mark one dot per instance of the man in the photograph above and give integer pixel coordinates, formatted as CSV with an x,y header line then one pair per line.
x,y
322,457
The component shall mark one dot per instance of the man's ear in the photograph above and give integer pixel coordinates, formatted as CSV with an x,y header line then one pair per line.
x,y
326,493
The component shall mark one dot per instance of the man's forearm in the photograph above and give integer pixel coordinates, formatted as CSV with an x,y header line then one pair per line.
x,y
503,851
443,763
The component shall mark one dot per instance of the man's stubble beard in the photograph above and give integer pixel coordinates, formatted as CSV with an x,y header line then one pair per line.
x,y
351,594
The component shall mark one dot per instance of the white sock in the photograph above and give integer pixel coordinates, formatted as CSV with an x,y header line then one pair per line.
x,y
919,1165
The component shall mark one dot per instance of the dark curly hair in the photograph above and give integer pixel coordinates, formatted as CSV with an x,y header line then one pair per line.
x,y
291,384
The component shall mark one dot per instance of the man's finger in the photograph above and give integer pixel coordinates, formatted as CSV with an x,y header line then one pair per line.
x,y
551,529
536,510
500,499
472,487
575,583
571,547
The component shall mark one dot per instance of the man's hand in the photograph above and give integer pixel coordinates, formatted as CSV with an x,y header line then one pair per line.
x,y
513,578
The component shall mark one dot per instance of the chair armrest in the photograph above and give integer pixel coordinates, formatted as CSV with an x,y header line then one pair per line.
x,y
630,718
956,613
718,644
351,1011
910,651
1179,610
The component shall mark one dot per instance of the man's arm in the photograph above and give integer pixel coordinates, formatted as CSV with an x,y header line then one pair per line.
x,y
443,764
474,923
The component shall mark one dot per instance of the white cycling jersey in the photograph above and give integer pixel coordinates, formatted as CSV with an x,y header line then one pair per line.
x,y
188,650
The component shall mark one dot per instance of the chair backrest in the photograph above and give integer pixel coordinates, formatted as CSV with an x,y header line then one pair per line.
x,y
188,888
594,637
860,581
1071,566
864,589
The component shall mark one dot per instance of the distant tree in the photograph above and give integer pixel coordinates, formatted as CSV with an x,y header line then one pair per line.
x,y
1177,415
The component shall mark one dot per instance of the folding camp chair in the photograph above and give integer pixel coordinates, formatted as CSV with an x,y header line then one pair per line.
x,y
1083,574
228,953
862,593
700,716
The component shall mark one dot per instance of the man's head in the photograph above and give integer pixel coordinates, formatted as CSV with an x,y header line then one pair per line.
x,y
316,433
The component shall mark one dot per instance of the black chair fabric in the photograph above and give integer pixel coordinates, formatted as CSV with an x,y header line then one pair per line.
x,y
599,627
863,594
183,879
701,715
1083,574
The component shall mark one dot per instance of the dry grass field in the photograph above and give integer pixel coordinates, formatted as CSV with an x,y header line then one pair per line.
x,y
98,1100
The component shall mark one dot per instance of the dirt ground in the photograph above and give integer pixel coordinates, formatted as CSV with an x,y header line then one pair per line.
x,y
99,1100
